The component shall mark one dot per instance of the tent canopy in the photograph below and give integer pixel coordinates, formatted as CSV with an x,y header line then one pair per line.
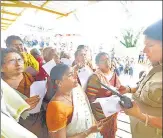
x,y
11,10
98,23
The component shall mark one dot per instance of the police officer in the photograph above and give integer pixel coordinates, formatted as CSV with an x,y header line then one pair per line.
x,y
146,114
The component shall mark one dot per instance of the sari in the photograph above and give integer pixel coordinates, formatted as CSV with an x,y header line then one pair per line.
x,y
95,90
30,61
9,126
34,121
24,86
15,104
81,116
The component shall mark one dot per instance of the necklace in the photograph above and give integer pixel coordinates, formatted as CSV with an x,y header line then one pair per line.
x,y
66,98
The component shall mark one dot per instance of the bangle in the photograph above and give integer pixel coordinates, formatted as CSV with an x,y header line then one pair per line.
x,y
146,119
129,89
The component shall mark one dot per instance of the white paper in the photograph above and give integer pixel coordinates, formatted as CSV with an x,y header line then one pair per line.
x,y
110,105
38,88
84,75
66,61
48,66
11,129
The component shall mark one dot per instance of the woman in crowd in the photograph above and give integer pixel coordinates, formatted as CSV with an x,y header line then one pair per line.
x,y
80,62
13,106
42,75
30,63
50,53
94,90
12,72
146,114
68,113
82,56
87,50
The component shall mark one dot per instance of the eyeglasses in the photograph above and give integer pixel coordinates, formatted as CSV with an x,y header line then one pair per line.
x,y
14,61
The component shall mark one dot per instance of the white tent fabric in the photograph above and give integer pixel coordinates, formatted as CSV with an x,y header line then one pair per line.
x,y
97,23
105,17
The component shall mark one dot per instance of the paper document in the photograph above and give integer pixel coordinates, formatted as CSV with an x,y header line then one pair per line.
x,y
66,61
110,105
48,66
38,88
84,75
11,129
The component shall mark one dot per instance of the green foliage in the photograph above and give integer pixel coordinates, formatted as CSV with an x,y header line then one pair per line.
x,y
130,39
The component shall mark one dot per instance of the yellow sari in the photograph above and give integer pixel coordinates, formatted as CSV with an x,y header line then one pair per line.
x,y
30,61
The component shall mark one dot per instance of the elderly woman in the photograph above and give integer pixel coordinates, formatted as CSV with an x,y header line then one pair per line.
x,y
42,75
50,53
36,53
94,90
12,64
146,114
82,56
68,113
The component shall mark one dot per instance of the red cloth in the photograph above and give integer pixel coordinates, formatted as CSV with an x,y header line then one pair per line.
x,y
40,60
42,73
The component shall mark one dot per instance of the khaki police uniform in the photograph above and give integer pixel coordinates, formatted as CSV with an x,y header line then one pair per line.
x,y
149,99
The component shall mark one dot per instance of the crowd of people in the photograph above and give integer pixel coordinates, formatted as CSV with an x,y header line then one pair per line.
x,y
42,42
142,59
67,109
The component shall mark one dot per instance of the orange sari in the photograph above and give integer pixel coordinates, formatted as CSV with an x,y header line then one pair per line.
x,y
24,86
58,115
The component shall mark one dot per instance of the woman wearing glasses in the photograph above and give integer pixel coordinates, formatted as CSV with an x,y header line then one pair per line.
x,y
12,72
94,90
